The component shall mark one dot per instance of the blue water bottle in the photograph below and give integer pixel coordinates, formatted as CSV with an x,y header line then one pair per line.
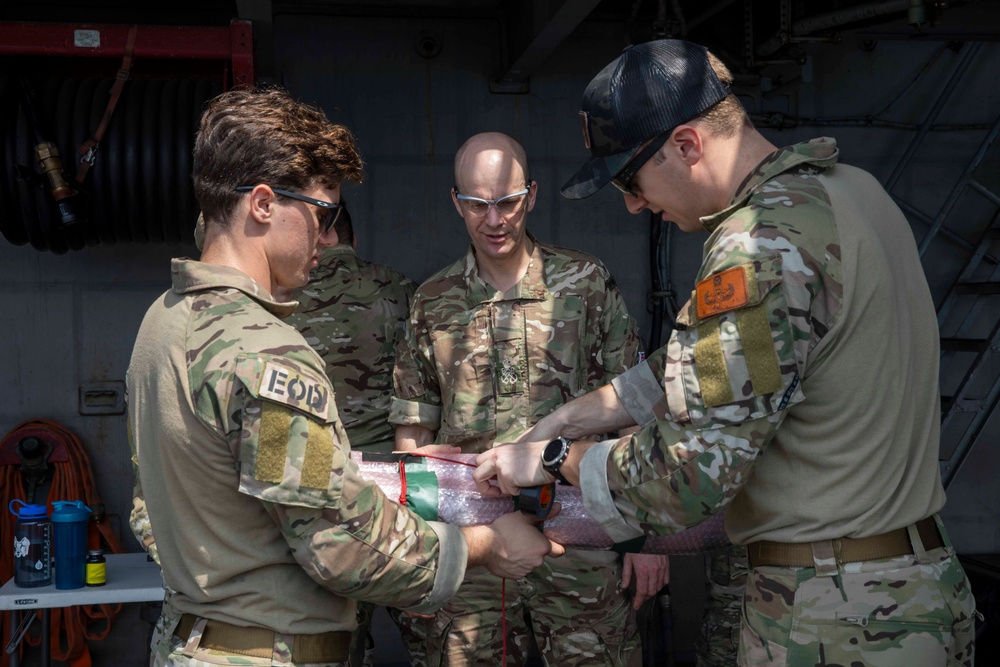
x,y
32,545
69,520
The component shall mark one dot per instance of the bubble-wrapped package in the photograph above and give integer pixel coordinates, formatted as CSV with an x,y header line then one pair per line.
x,y
460,503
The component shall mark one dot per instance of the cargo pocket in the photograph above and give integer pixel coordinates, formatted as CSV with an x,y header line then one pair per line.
x,y
901,614
759,652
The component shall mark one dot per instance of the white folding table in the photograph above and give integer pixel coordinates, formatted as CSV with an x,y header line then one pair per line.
x,y
131,578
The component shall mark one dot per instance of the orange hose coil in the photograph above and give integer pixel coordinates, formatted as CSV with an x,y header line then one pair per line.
x,y
71,627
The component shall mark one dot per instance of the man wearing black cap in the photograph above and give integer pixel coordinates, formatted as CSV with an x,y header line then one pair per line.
x,y
777,394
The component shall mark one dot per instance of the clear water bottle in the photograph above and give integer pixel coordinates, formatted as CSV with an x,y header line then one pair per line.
x,y
32,545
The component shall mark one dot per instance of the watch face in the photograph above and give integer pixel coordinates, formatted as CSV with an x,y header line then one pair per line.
x,y
552,451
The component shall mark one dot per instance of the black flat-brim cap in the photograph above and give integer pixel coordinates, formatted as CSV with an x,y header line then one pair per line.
x,y
649,89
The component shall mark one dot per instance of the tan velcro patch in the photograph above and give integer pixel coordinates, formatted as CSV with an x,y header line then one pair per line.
x,y
710,363
318,459
758,350
272,443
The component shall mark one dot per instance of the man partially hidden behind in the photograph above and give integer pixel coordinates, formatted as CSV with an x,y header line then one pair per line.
x,y
496,341
353,313
265,532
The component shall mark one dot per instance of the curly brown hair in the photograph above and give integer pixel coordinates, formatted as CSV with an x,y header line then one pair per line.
x,y
252,136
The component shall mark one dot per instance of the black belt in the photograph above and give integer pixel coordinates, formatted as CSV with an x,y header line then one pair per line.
x,y
259,642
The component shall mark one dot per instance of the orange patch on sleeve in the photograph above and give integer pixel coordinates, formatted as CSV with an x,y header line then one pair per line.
x,y
723,291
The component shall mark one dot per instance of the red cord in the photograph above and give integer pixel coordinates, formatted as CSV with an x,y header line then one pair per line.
x,y
402,484
503,582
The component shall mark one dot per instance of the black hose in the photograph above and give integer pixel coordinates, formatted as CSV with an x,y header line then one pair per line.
x,y
10,217
150,164
138,229
168,193
98,174
139,188
656,284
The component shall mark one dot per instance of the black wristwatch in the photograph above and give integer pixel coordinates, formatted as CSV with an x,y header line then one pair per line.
x,y
553,456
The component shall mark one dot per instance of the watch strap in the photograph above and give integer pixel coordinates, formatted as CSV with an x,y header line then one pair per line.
x,y
554,467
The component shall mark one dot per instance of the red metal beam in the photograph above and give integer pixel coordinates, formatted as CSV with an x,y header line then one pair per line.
x,y
241,47
232,44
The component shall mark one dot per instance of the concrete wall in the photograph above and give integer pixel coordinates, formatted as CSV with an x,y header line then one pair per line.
x,y
71,320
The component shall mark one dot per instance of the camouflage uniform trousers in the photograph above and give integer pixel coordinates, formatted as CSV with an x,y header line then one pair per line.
x,y
168,650
896,612
362,655
578,615
726,579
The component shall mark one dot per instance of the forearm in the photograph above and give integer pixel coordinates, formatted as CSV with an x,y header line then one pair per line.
x,y
387,555
410,437
479,542
570,468
599,411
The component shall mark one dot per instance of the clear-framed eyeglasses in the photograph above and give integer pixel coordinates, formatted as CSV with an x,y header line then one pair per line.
x,y
506,206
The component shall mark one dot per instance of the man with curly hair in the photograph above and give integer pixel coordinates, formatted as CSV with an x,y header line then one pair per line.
x,y
265,531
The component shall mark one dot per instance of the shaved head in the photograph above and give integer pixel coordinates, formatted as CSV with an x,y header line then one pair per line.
x,y
490,152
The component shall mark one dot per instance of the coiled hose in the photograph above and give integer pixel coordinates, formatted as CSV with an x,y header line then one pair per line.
x,y
139,189
72,480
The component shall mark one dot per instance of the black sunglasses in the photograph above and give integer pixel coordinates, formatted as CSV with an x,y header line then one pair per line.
x,y
332,210
623,179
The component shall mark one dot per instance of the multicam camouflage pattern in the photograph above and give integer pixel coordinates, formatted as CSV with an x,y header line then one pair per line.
x,y
353,313
715,416
138,521
261,399
726,439
725,577
169,650
362,652
596,628
480,366
897,611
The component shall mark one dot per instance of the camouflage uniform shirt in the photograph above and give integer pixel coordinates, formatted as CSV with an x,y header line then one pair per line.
x,y
779,391
482,365
260,516
353,313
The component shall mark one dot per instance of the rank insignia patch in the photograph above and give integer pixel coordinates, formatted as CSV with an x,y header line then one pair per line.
x,y
721,292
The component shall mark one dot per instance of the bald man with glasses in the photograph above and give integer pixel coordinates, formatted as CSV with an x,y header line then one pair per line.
x,y
496,341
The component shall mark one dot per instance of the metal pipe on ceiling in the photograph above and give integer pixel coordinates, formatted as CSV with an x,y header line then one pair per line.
x,y
830,20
